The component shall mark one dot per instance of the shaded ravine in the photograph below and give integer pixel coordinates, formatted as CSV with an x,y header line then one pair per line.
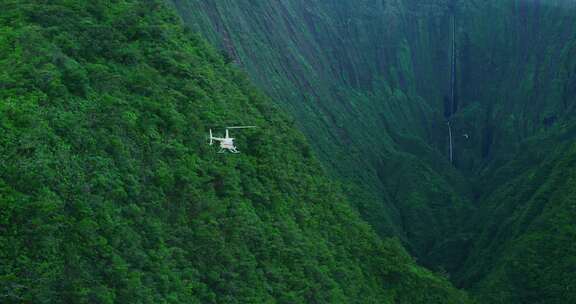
x,y
109,194
348,74
516,82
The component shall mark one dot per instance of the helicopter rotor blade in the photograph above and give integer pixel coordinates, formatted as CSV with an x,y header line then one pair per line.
x,y
242,127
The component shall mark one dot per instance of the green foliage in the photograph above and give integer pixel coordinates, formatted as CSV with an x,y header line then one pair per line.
x,y
109,193
366,79
351,77
525,250
523,80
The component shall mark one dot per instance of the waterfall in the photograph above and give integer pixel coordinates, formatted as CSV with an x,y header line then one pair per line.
x,y
452,105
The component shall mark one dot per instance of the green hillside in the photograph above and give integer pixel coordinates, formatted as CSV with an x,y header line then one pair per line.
x,y
109,192
519,82
367,82
518,74
525,249
347,72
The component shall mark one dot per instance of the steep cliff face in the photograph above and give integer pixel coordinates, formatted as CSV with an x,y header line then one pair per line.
x,y
514,66
524,249
347,71
368,82
110,194
517,73
520,79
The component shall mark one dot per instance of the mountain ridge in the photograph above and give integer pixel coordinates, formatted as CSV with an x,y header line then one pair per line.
x,y
110,194
515,78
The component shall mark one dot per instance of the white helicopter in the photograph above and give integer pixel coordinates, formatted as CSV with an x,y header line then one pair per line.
x,y
227,142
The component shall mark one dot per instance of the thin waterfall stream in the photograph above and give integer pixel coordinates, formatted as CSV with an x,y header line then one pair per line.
x,y
452,105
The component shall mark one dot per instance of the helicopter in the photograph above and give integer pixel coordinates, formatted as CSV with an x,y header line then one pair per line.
x,y
227,142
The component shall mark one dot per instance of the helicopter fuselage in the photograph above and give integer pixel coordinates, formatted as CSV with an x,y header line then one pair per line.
x,y
227,143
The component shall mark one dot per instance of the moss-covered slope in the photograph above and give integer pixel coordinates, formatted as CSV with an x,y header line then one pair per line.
x,y
517,73
366,81
525,248
518,95
346,70
110,194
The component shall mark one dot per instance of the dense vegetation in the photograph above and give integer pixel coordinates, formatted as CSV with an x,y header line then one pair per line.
x,y
518,75
346,71
525,103
525,250
109,193
367,82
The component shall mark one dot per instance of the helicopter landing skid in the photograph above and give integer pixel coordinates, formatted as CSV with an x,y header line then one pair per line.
x,y
233,151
